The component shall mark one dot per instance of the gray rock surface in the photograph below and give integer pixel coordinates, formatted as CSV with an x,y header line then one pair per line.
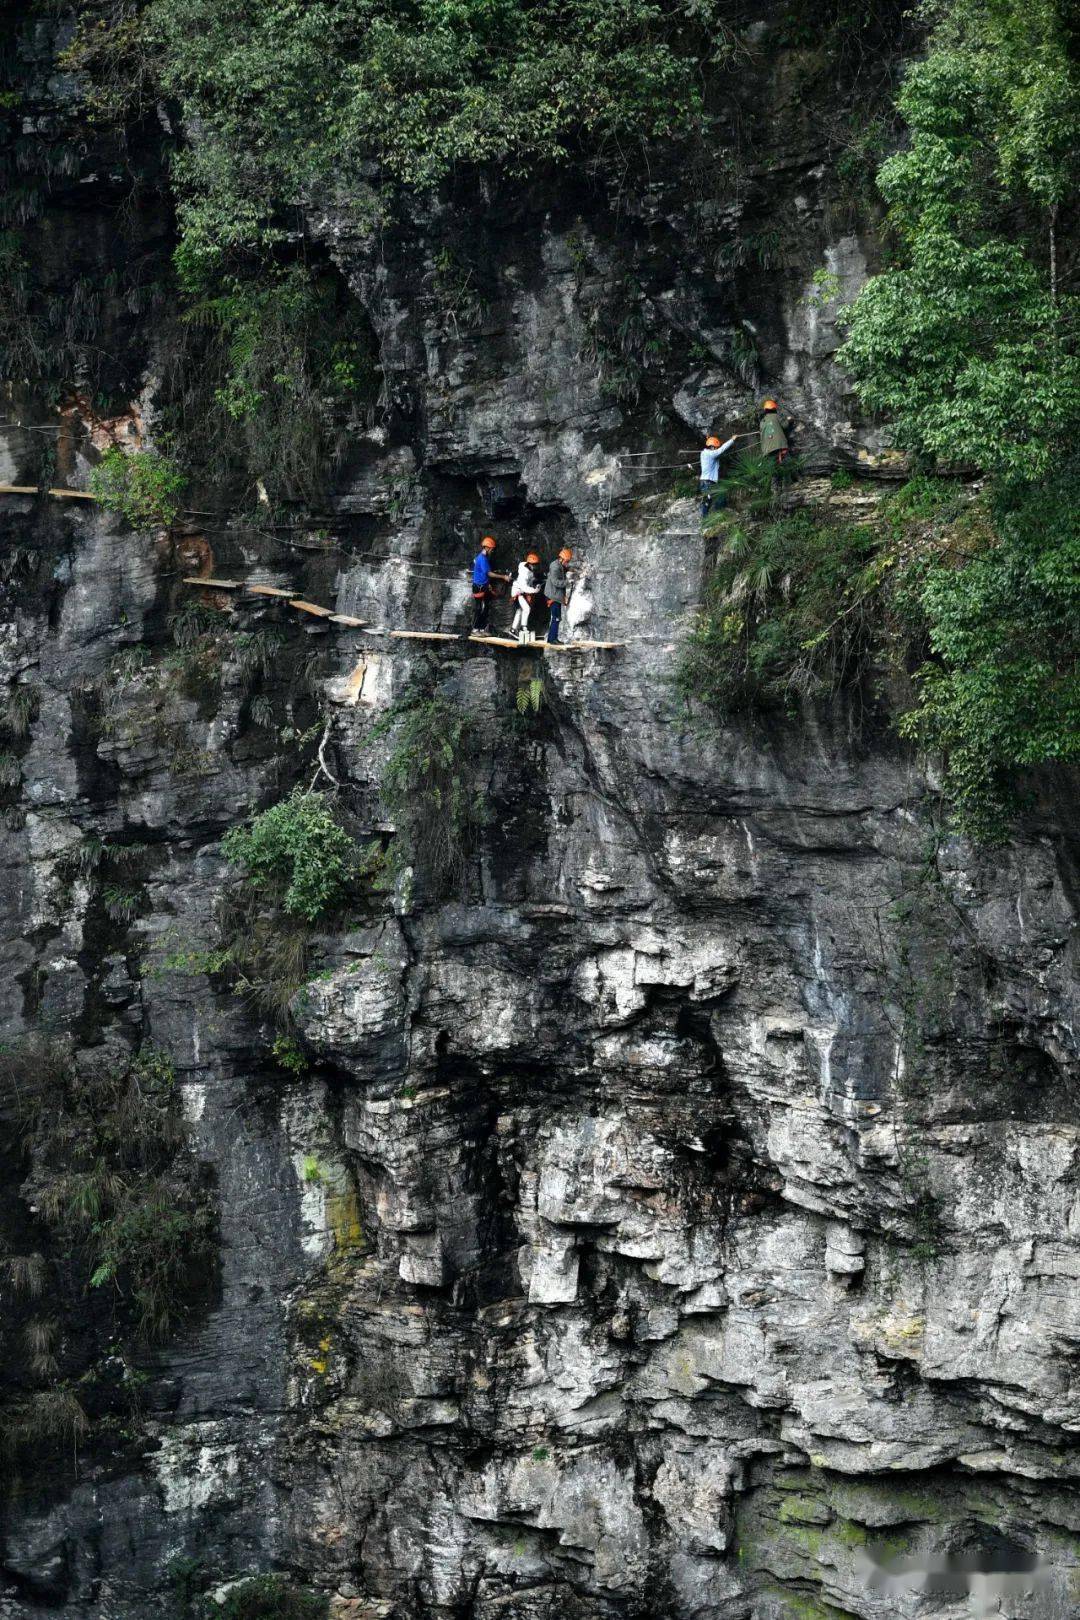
x,y
682,1220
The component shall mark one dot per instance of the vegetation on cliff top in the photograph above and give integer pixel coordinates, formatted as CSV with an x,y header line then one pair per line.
x,y
300,101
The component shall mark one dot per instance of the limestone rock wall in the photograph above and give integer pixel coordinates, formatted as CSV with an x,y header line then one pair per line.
x,y
679,1221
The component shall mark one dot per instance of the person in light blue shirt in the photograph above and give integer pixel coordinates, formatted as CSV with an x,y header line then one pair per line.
x,y
710,472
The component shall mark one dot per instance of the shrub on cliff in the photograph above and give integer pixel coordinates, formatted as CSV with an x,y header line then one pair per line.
x,y
969,342
791,611
1001,691
268,369
292,100
144,487
114,1182
296,855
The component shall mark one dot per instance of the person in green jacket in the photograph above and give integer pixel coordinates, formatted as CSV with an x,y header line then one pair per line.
x,y
773,438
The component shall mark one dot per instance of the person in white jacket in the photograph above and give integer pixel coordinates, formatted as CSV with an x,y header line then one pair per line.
x,y
523,592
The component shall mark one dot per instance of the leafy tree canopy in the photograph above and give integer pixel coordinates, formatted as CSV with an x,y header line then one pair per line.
x,y
969,341
299,99
1003,692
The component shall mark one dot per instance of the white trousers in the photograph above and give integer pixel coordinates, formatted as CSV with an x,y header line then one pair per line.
x,y
521,617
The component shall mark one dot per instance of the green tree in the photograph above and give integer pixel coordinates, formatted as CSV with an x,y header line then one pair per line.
x,y
296,99
1002,693
969,341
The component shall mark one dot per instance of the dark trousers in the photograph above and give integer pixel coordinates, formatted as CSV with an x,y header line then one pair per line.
x,y
556,619
710,495
481,609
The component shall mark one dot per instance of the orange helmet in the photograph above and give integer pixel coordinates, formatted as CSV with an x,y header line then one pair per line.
x,y
488,543
533,557
712,442
768,404
566,551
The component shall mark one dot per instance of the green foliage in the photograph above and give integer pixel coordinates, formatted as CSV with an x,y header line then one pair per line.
x,y
289,1055
824,288
429,786
295,99
18,712
269,1597
272,365
297,854
984,593
866,143
790,612
744,356
750,484
624,338
530,696
112,54
456,294
114,1181
46,1420
121,905
50,333
144,487
1002,691
969,342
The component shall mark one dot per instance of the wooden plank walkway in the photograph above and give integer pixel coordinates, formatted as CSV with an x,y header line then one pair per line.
x,y
504,643
35,489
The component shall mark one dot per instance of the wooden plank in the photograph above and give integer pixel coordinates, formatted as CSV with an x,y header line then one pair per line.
x,y
319,611
347,618
503,641
425,635
268,590
583,646
35,489
214,584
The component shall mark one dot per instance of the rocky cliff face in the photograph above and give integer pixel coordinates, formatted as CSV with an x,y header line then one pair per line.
x,y
679,1219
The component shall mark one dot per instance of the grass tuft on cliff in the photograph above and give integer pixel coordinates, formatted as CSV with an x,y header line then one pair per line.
x,y
114,1181
430,786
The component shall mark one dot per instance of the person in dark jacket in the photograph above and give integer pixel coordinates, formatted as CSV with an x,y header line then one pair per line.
x,y
482,576
556,590
772,436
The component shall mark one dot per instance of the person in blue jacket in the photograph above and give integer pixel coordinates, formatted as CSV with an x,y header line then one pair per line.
x,y
482,575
